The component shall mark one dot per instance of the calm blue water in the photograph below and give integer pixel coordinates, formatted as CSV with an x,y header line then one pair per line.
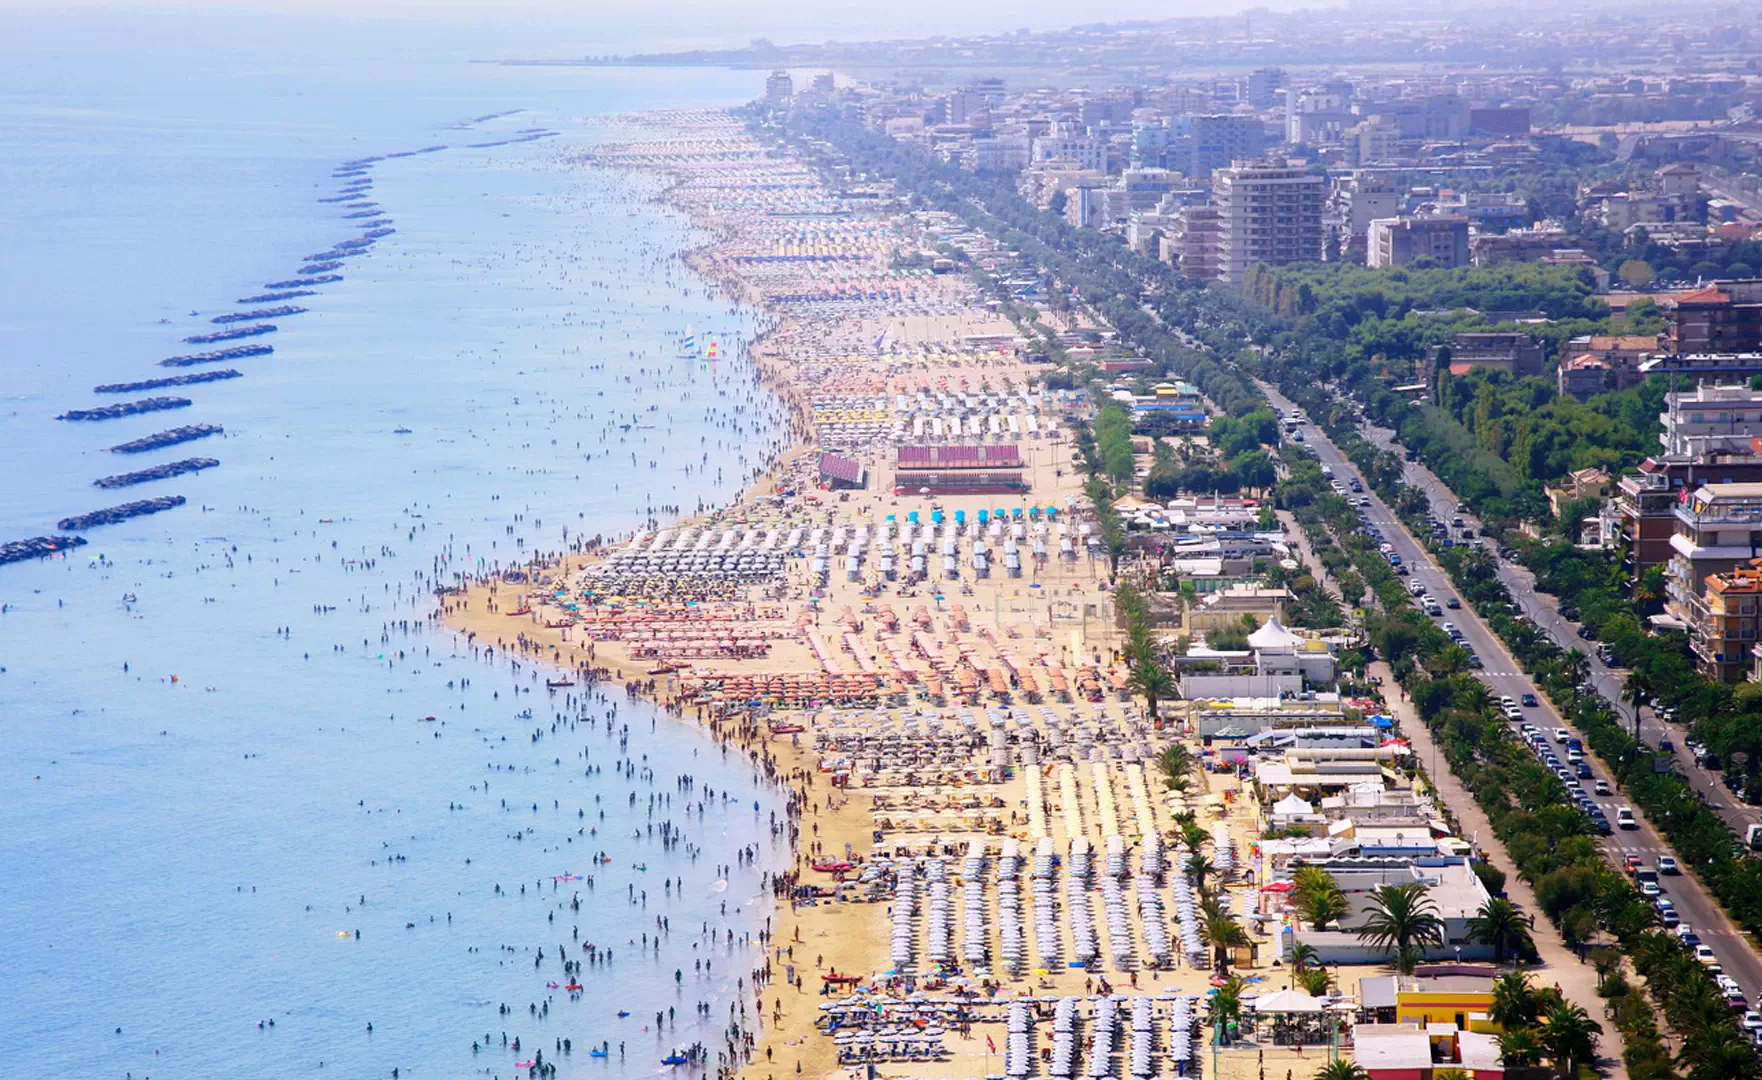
x,y
181,858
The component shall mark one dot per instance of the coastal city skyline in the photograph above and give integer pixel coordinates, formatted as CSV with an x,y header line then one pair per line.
x,y
731,543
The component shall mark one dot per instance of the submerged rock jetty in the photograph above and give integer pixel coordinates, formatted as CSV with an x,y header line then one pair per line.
x,y
270,298
167,438
110,515
260,313
37,547
126,408
299,283
169,380
321,268
231,335
237,352
157,472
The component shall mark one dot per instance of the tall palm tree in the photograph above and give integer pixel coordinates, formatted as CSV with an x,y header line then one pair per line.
x,y
1176,764
1516,1004
1503,925
1223,931
1303,957
1637,691
1226,1004
1150,680
1197,869
1570,1037
1576,667
1193,834
1402,922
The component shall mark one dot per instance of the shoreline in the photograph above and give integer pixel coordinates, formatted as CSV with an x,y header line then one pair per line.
x,y
769,658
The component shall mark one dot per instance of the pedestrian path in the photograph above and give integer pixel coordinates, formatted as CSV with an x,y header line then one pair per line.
x,y
1560,966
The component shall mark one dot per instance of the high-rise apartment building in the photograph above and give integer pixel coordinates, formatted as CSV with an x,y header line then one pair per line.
x,y
1221,139
779,88
1268,214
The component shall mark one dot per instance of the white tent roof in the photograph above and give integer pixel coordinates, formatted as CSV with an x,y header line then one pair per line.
x,y
1273,636
1287,1001
1293,804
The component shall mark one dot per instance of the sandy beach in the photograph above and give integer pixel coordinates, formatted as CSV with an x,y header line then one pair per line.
x,y
940,731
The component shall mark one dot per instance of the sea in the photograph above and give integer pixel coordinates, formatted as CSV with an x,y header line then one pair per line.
x,y
258,816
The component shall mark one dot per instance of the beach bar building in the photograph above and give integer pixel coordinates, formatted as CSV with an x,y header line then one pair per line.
x,y
959,470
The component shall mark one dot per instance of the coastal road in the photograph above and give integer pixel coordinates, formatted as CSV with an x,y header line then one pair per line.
x,y
1505,678
1544,610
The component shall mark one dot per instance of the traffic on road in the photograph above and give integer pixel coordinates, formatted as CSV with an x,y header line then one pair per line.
x,y
1630,842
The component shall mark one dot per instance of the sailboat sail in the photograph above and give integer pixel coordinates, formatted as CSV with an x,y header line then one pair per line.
x,y
688,347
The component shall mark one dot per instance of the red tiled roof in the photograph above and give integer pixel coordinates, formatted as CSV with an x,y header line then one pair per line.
x,y
1704,296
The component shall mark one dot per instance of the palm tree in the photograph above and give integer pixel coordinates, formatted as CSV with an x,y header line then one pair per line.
x,y
1402,921
1519,1047
1452,659
1222,931
1503,925
1303,957
1516,1004
1198,867
1321,908
1570,1037
1637,691
1608,964
1478,566
1175,763
1150,680
1576,667
1312,879
1342,1069
1719,1053
1473,696
1314,981
1226,1004
1193,834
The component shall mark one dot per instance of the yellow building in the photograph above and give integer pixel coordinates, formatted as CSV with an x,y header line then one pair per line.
x,y
1459,995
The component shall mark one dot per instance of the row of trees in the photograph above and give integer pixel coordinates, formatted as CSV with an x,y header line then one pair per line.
x,y
1401,920
1546,837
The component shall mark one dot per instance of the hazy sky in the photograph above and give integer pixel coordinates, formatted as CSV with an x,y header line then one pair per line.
x,y
565,25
